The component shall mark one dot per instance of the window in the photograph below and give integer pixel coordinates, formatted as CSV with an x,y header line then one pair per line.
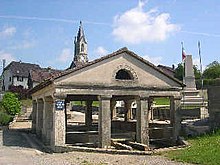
x,y
19,78
10,79
124,75
82,48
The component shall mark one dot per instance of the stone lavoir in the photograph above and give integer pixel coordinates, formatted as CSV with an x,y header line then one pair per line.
x,y
120,76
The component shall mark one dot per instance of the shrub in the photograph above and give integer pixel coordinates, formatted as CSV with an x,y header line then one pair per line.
x,y
19,90
11,103
5,118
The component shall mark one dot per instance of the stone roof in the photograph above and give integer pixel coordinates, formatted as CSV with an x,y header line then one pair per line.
x,y
49,80
20,68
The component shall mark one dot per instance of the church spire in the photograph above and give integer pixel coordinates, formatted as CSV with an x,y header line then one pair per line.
x,y
80,48
80,34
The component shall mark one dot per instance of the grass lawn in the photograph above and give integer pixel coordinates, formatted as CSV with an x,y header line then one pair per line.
x,y
83,103
162,101
203,150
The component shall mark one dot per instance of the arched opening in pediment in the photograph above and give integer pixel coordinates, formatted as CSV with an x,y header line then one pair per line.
x,y
124,74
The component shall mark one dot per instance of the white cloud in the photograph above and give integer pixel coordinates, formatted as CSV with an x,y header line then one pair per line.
x,y
136,25
154,60
7,56
65,56
101,51
7,32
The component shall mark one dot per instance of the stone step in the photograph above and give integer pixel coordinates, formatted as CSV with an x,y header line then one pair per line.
x,y
193,103
192,100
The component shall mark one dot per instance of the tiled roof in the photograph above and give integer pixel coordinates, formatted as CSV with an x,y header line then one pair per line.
x,y
39,75
168,70
122,50
20,68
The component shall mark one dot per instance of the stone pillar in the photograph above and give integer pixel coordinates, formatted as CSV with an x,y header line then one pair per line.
x,y
44,125
68,108
33,116
88,114
39,117
47,120
151,112
113,109
128,114
142,126
58,134
104,122
175,119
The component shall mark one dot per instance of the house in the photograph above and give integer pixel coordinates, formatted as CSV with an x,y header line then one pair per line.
x,y
16,74
38,75
168,70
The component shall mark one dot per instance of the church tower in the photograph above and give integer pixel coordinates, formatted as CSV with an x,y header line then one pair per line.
x,y
80,49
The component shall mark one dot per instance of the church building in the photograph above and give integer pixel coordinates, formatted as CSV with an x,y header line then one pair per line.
x,y
80,49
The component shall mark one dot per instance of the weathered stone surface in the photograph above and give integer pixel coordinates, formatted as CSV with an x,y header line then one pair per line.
x,y
214,106
189,78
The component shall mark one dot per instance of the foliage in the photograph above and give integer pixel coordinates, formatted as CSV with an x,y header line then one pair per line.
x,y
203,150
22,93
197,72
83,103
211,82
26,102
162,101
5,118
212,71
179,72
11,103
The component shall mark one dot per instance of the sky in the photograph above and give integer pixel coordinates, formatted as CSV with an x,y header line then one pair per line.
x,y
42,32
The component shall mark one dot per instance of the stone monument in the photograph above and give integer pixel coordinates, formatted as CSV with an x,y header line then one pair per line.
x,y
190,94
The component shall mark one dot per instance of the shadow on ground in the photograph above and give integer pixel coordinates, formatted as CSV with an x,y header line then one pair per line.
x,y
20,138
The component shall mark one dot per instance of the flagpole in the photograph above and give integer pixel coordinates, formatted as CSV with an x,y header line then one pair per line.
x,y
182,51
201,76
183,61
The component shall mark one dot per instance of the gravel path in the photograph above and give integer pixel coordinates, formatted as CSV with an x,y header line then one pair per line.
x,y
20,148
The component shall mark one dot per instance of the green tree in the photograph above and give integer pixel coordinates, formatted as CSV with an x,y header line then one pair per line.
x,y
11,103
179,72
212,71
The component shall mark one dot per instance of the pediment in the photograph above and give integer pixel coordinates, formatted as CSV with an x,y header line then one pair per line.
x,y
105,70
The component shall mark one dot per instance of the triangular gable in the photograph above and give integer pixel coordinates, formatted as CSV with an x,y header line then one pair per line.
x,y
103,71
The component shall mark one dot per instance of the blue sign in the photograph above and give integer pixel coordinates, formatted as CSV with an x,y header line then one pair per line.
x,y
59,105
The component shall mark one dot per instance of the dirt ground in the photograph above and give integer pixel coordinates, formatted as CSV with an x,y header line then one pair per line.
x,y
19,147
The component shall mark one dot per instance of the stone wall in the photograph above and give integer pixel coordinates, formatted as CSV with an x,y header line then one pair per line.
x,y
214,106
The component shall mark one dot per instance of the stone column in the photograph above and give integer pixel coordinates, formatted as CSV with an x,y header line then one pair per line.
x,y
39,117
33,115
47,120
44,125
88,114
113,109
104,122
68,108
151,112
128,114
58,134
142,126
175,119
